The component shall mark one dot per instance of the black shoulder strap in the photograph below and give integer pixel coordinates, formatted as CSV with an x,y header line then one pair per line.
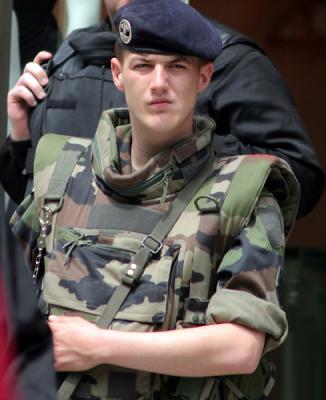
x,y
64,53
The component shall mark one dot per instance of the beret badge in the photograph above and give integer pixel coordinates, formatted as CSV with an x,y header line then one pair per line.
x,y
125,31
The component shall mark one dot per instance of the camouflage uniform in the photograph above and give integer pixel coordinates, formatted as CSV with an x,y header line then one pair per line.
x,y
107,210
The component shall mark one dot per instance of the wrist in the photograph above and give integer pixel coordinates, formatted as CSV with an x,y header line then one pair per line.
x,y
103,347
20,135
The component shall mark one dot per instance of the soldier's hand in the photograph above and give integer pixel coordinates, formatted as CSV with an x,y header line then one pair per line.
x,y
74,343
28,90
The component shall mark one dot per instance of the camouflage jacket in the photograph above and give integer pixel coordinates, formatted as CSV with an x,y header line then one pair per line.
x,y
107,210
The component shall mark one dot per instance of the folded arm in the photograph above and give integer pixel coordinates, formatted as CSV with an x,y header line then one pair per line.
x,y
219,349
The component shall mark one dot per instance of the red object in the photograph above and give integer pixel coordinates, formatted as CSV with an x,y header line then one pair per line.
x,y
8,384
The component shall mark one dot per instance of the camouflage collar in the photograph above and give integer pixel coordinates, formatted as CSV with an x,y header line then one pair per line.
x,y
164,174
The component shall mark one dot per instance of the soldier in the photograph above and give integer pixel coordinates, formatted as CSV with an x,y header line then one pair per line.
x,y
144,231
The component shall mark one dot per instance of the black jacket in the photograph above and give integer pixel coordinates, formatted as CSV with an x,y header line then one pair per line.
x,y
247,98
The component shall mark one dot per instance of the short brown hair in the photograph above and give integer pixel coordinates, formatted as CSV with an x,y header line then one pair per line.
x,y
119,51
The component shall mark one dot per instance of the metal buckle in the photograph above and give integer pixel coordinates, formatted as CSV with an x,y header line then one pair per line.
x,y
158,247
52,205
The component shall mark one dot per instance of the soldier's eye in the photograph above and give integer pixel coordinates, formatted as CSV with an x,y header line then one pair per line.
x,y
178,66
142,66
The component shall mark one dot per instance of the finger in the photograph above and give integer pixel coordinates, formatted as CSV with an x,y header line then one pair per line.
x,y
42,56
64,322
53,318
66,318
59,318
21,94
30,82
37,71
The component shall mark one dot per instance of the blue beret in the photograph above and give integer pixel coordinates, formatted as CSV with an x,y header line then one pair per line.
x,y
166,27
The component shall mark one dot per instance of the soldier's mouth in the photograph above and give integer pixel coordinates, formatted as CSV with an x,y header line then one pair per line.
x,y
160,103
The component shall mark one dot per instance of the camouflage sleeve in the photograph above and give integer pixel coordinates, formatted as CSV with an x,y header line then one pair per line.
x,y
25,225
247,289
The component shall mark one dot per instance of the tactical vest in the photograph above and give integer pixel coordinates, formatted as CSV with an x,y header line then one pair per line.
x,y
90,249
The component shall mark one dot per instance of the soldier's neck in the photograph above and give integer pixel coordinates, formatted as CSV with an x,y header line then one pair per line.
x,y
146,144
141,153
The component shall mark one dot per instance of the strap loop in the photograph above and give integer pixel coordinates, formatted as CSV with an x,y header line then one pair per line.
x,y
210,205
56,204
146,242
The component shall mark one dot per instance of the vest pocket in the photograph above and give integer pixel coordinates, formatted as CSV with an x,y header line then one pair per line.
x,y
86,266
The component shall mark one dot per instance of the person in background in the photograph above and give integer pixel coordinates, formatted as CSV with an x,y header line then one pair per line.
x,y
38,29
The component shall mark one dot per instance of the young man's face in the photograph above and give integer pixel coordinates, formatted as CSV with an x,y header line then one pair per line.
x,y
161,90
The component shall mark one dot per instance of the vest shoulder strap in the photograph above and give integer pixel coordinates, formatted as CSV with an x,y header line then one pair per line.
x,y
254,173
231,194
55,159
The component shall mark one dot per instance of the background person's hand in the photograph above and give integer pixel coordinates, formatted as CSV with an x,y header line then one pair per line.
x,y
28,90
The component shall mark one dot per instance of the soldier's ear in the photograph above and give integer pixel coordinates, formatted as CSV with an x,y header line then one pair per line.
x,y
116,69
205,74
